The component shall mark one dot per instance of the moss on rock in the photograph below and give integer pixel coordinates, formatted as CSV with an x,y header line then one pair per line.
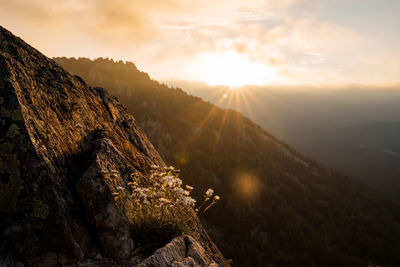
x,y
10,190
16,115
40,210
4,112
13,131
6,147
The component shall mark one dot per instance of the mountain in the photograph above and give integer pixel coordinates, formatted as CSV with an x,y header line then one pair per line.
x,y
369,152
278,207
351,129
67,151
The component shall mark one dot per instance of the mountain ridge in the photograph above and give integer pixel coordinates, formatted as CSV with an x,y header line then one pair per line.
x,y
278,208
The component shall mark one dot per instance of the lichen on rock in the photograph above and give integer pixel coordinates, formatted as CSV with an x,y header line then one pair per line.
x,y
13,131
16,115
10,167
40,209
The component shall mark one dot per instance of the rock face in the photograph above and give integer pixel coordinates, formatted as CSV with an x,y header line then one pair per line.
x,y
181,251
60,141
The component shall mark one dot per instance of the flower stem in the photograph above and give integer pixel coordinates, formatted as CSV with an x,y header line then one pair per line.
x,y
198,208
209,206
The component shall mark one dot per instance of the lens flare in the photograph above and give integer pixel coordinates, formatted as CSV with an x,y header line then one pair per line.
x,y
247,186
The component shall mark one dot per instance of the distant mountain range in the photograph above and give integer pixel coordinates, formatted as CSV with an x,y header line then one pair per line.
x,y
370,152
278,207
304,107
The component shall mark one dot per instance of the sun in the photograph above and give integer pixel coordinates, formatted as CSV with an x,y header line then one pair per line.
x,y
233,69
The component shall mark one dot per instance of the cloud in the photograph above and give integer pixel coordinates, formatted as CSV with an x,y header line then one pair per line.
x,y
166,37
117,21
39,12
127,22
295,47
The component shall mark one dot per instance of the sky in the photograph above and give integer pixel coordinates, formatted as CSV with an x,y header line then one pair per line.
x,y
222,42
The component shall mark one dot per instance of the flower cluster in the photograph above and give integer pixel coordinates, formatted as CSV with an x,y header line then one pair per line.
x,y
159,195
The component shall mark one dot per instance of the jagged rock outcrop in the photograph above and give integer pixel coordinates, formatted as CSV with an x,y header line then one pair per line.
x,y
181,251
60,141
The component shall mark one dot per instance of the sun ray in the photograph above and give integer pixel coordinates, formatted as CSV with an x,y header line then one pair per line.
x,y
225,115
244,97
214,110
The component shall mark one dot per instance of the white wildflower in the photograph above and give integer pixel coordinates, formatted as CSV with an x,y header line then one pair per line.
x,y
169,177
209,192
188,187
179,190
188,201
216,198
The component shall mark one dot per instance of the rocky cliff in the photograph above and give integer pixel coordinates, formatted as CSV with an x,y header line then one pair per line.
x,y
60,141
